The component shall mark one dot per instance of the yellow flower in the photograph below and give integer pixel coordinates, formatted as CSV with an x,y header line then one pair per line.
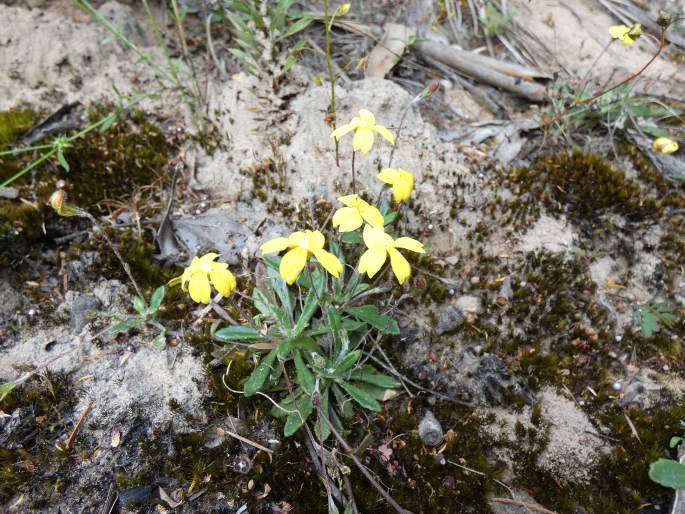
x,y
380,245
196,278
665,145
302,245
364,127
401,180
627,35
343,9
356,212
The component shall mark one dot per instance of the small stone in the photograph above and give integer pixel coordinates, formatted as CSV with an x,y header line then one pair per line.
x,y
9,193
475,280
82,310
430,431
617,386
469,305
450,319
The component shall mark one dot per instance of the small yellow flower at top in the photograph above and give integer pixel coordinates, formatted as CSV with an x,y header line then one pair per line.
x,y
364,127
402,182
196,278
627,35
665,145
302,245
380,245
343,9
356,212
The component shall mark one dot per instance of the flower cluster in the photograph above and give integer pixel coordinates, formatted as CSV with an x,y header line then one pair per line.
x,y
625,34
196,278
301,246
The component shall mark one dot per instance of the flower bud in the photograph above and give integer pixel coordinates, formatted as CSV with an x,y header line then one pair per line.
x,y
343,9
665,145
664,19
57,200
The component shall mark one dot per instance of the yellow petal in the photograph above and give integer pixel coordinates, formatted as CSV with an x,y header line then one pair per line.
x,y
275,245
199,288
400,266
349,200
315,239
409,244
618,31
389,136
189,272
292,264
348,219
372,216
329,261
298,239
222,278
363,140
403,185
342,130
372,261
376,238
367,118
665,145
388,175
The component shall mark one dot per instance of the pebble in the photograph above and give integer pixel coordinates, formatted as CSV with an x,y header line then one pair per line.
x,y
617,386
430,430
450,319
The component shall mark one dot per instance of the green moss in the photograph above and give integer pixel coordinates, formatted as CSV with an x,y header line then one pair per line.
x,y
581,185
13,124
620,483
44,402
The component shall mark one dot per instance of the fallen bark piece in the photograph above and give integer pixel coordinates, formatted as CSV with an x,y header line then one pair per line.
x,y
478,67
389,50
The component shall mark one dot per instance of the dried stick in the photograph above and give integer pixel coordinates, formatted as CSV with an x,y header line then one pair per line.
x,y
75,431
522,503
350,452
247,441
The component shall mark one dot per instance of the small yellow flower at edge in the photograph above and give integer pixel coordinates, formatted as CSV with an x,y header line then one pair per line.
x,y
380,245
355,213
302,245
364,127
665,145
196,278
627,35
402,182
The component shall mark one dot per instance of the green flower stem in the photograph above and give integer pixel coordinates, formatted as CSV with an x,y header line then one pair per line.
x,y
124,264
69,139
354,181
331,74
24,149
28,168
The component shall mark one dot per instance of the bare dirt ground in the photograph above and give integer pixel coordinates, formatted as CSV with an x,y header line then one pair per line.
x,y
525,315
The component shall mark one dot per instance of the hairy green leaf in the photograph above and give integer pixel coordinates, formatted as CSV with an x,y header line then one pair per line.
x,y
362,397
304,375
139,305
256,380
125,325
238,333
669,473
368,374
156,300
371,315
